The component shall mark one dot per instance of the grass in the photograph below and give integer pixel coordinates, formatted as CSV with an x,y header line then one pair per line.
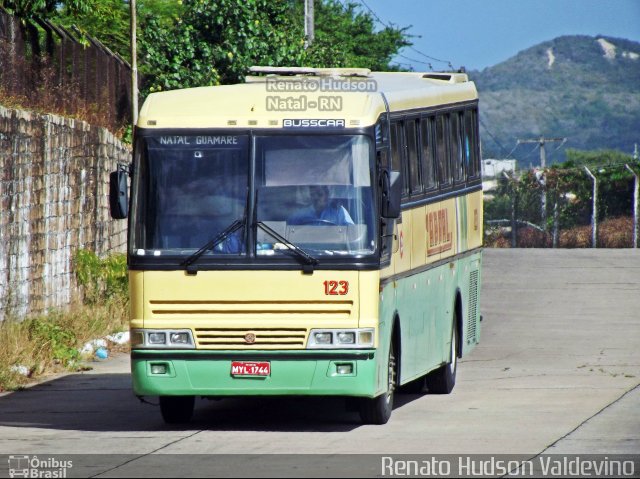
x,y
49,343
612,233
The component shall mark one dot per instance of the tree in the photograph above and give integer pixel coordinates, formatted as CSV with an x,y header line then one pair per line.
x,y
217,41
187,43
29,12
346,37
109,20
31,9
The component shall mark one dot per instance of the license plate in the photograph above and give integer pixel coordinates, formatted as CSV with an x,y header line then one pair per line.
x,y
248,368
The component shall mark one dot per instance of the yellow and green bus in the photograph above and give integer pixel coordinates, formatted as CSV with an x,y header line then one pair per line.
x,y
307,232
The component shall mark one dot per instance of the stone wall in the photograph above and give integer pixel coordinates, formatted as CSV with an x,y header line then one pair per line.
x,y
54,187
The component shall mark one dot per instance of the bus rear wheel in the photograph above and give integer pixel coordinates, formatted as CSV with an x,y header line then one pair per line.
x,y
443,379
177,409
378,410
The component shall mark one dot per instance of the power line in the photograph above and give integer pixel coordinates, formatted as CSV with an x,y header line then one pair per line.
x,y
415,61
502,148
410,47
541,143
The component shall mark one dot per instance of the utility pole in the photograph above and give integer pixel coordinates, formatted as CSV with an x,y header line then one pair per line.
x,y
309,32
134,65
636,201
542,141
594,215
543,164
511,181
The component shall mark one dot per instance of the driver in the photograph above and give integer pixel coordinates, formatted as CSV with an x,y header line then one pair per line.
x,y
321,210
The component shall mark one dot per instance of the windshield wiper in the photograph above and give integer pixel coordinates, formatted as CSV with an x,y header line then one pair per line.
x,y
219,238
309,261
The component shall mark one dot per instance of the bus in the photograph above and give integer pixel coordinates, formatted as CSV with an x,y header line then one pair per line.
x,y
307,232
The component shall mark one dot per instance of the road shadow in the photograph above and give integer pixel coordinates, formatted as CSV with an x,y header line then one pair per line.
x,y
105,402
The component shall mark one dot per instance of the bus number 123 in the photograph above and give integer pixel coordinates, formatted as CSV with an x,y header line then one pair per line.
x,y
336,287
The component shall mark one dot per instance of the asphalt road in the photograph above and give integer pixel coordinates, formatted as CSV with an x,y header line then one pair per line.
x,y
557,371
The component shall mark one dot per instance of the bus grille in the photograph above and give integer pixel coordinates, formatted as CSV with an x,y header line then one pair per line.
x,y
256,338
473,307
252,309
259,324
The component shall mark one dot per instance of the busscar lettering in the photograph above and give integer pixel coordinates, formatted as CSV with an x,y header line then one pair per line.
x,y
440,238
313,123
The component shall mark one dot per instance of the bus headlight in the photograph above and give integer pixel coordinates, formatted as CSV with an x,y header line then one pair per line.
x,y
340,338
162,338
323,338
157,338
346,337
180,338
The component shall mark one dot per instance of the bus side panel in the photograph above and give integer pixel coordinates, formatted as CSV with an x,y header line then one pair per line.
x,y
448,230
387,312
424,303
402,255
469,284
377,311
474,219
418,236
425,320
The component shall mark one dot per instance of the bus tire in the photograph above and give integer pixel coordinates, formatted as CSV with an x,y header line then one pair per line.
x,y
378,410
443,379
177,409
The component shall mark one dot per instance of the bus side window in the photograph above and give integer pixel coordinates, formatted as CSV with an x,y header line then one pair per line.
x,y
382,135
383,158
457,152
398,159
428,158
471,143
442,152
415,182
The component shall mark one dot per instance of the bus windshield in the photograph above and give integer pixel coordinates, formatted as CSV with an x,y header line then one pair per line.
x,y
311,192
315,192
189,190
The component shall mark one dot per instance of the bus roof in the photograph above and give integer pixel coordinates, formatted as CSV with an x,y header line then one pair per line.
x,y
278,93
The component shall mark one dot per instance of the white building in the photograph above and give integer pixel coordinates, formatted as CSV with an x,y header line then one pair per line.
x,y
494,168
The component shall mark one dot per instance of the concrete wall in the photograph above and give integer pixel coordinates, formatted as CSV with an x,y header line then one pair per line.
x,y
54,186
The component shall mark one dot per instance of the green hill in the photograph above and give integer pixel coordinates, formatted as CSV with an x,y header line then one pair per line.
x,y
584,88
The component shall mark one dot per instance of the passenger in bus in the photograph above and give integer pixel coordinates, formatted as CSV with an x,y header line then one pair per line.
x,y
321,211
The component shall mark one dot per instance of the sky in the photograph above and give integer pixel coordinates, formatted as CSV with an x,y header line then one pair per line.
x,y
481,33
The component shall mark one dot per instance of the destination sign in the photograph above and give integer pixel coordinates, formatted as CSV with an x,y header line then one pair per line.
x,y
217,141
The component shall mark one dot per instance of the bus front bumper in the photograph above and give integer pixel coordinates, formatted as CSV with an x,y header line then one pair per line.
x,y
209,373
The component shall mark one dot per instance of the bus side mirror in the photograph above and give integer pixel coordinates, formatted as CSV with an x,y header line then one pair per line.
x,y
391,193
118,193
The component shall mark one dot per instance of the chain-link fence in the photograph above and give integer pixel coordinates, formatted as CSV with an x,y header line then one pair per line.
x,y
45,67
572,206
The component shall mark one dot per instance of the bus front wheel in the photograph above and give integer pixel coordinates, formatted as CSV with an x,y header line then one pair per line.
x,y
443,379
378,410
177,409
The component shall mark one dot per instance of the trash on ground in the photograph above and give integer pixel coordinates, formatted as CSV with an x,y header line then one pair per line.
x,y
119,338
93,345
21,369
